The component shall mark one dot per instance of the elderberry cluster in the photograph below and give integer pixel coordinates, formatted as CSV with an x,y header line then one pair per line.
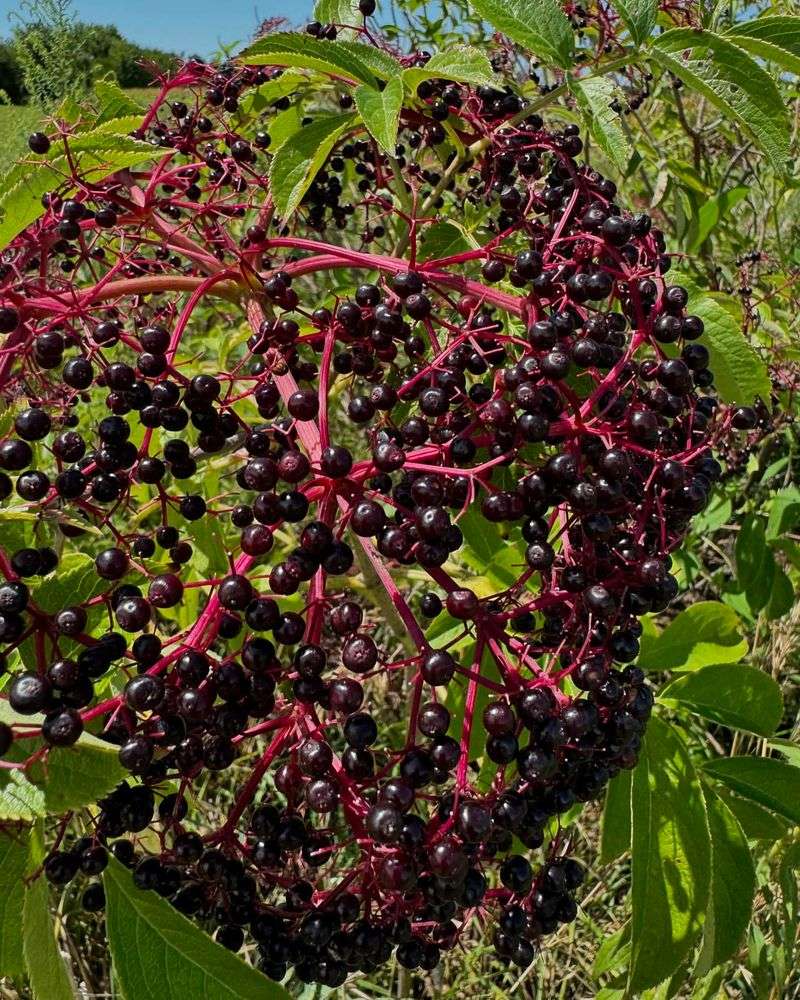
x,y
250,519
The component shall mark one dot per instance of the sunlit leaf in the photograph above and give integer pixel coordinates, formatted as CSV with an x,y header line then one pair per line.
x,y
732,81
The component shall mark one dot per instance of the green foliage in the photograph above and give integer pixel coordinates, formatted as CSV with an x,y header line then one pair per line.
x,y
615,835
99,152
380,112
538,26
595,97
732,694
670,858
459,62
732,886
708,155
303,52
732,81
66,778
156,949
705,633
775,38
44,38
297,163
739,373
13,865
639,17
769,782
49,977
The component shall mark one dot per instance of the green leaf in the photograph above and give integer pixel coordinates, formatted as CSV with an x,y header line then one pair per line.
x,y
485,548
771,783
739,373
639,17
734,695
339,12
733,885
710,214
781,598
114,102
157,952
297,163
76,581
789,749
445,239
382,64
731,81
755,563
68,778
78,776
462,63
209,539
719,511
49,977
13,865
265,95
20,800
784,512
540,26
595,96
96,154
614,953
299,51
705,633
283,126
757,822
380,112
615,833
670,858
774,38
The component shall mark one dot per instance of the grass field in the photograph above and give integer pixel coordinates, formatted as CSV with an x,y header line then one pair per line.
x,y
16,123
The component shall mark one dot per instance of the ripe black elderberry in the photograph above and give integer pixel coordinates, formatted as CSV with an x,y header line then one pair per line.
x,y
259,528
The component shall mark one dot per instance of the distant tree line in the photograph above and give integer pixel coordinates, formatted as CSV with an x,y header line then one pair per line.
x,y
94,50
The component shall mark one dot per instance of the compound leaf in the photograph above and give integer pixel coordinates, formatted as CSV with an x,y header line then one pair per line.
x,y
755,563
462,63
339,12
95,155
13,864
67,778
284,48
615,834
49,976
739,373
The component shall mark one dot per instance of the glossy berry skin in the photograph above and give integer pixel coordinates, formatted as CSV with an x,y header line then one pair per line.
x,y
28,694
38,142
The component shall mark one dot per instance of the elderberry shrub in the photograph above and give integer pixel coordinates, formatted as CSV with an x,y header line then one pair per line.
x,y
552,384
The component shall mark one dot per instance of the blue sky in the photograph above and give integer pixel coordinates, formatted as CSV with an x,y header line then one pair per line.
x,y
185,26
